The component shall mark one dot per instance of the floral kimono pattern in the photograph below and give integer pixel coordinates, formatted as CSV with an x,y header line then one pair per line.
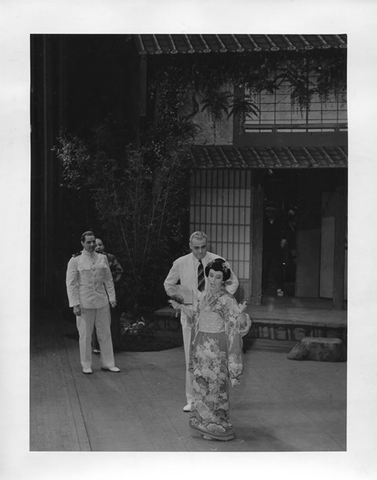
x,y
215,362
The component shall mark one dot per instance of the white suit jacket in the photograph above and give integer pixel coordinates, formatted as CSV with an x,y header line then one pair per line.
x,y
89,281
185,270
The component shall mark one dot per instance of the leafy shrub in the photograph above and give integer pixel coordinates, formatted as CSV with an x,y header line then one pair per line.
x,y
140,197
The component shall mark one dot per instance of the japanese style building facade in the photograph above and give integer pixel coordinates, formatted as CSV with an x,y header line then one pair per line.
x,y
293,157
297,159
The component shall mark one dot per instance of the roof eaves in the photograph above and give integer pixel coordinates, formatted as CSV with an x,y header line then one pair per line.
x,y
227,156
234,43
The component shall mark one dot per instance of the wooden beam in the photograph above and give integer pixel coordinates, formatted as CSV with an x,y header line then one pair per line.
x,y
239,93
49,131
143,85
256,244
339,249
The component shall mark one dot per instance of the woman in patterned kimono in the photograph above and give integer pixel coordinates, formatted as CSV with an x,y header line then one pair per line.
x,y
218,324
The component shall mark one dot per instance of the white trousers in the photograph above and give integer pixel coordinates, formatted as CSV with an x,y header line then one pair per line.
x,y
100,317
186,333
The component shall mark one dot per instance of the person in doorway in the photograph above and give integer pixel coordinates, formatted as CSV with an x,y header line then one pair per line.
x,y
188,270
116,272
290,247
90,290
218,323
274,242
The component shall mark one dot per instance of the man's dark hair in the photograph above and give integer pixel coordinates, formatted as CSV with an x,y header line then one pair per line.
x,y
88,233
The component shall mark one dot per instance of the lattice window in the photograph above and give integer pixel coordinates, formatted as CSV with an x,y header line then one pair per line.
x,y
278,114
220,205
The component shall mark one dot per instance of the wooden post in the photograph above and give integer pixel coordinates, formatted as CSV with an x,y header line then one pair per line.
x,y
47,207
141,100
239,94
143,85
256,243
339,249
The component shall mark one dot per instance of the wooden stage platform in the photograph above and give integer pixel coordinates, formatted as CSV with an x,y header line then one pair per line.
x,y
280,406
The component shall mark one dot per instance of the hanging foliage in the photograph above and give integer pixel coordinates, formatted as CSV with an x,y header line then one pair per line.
x,y
216,104
243,107
212,77
139,193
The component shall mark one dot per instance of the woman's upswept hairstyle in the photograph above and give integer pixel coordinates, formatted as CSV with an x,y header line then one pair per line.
x,y
219,265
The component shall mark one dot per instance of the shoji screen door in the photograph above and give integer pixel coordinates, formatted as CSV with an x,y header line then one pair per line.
x,y
220,205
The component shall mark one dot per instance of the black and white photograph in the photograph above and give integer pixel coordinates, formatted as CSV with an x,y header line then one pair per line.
x,y
169,151
189,243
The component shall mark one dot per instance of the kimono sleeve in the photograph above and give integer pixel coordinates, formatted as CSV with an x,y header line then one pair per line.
x,y
231,312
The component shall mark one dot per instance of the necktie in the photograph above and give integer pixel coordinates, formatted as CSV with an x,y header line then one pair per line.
x,y
201,280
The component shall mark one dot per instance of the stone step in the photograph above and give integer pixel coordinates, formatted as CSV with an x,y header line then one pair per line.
x,y
319,349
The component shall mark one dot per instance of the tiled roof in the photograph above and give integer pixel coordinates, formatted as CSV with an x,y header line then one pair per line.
x,y
268,157
210,43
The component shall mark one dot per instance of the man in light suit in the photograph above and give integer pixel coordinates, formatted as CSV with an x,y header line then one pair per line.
x,y
91,292
185,270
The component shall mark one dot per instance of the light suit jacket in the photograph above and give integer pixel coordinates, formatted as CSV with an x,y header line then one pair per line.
x,y
89,281
185,270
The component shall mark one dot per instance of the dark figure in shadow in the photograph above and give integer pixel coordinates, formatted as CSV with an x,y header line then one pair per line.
x,y
290,248
274,243
116,272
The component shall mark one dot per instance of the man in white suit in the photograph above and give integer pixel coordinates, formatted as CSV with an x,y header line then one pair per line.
x,y
91,292
188,271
